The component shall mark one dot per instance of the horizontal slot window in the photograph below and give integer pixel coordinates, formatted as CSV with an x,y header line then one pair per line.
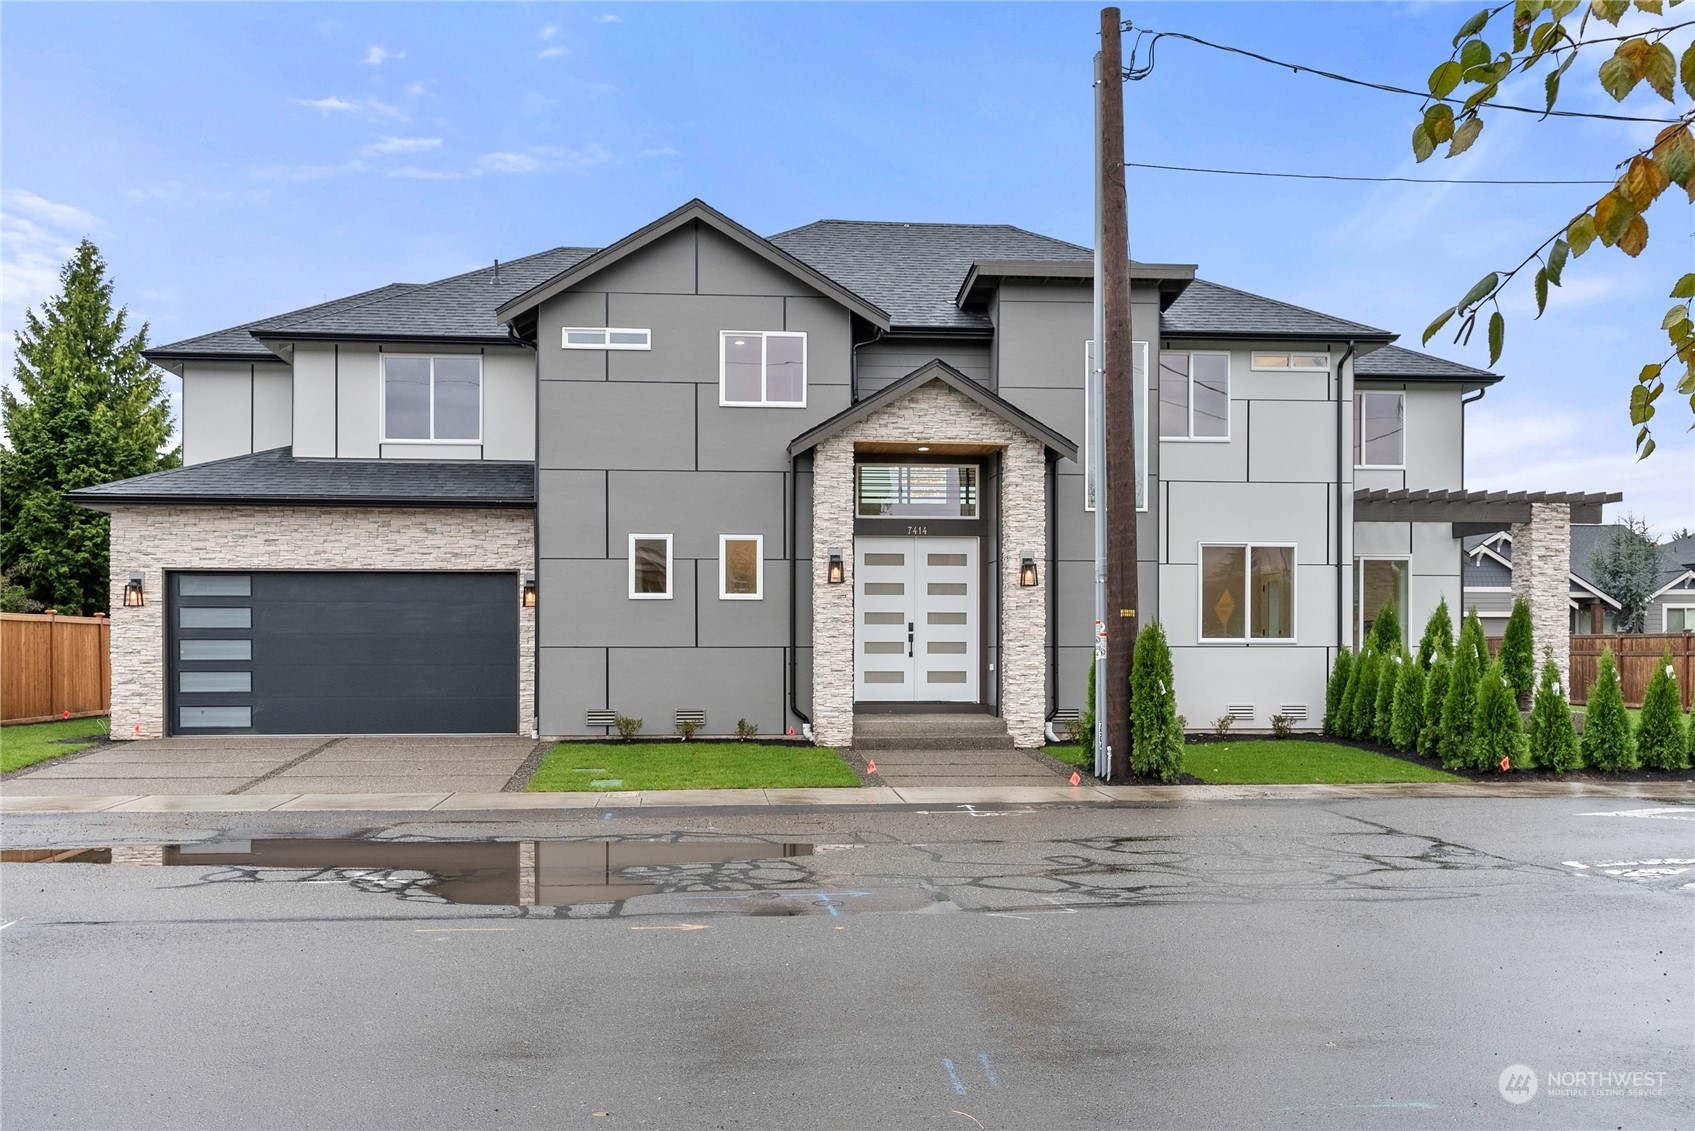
x,y
945,618
211,682
946,648
215,649
606,338
215,618
947,588
888,490
885,677
885,618
214,585
1305,362
885,588
945,677
884,648
190,717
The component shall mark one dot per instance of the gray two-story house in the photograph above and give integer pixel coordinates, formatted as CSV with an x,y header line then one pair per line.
x,y
704,473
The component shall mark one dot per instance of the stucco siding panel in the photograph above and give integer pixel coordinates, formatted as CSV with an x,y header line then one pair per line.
x,y
728,683
887,360
216,412
741,624
314,401
665,266
509,405
1217,461
1292,441
1382,539
359,402
1210,681
589,605
1248,512
1042,342
273,407
727,268
619,425
572,681
1435,436
685,334
829,338
695,507
739,438
1059,408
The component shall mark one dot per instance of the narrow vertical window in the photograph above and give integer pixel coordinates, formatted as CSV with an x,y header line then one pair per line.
x,y
741,567
1379,583
1380,429
650,566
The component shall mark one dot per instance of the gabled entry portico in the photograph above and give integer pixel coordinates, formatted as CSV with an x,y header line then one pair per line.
x,y
934,418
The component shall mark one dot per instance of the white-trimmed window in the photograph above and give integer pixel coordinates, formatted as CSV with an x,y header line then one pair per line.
x,y
762,368
1678,618
1380,429
1139,370
650,567
1378,583
433,399
1296,362
1247,592
605,338
741,567
1194,395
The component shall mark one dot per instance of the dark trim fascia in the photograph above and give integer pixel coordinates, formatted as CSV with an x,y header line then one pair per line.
x,y
282,337
105,502
1172,276
1467,381
1273,336
160,357
984,333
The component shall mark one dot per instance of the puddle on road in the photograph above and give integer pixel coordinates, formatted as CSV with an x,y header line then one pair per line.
x,y
513,873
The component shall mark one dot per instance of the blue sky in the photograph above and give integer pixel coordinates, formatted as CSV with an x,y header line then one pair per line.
x,y
236,161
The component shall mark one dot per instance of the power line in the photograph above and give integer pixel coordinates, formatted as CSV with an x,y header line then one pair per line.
x,y
1133,71
1339,177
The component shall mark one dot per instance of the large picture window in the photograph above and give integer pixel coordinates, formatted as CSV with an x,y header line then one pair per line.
x,y
1139,376
433,398
1194,396
1247,593
1380,429
650,567
765,368
1378,584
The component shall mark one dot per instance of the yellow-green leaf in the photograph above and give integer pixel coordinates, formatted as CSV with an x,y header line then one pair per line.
x,y
1619,77
1676,314
1430,331
1474,54
1649,373
1472,26
1686,70
1541,291
1684,287
1653,6
1485,286
1581,233
1675,153
1465,135
1609,10
1640,409
1557,260
1439,119
1552,85
1423,144
1644,181
1613,214
1659,69
1560,9
1444,79
1634,237
1647,450
1497,336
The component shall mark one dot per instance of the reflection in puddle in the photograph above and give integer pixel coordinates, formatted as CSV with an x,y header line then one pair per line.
x,y
524,873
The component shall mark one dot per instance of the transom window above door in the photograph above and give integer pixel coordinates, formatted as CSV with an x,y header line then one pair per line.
x,y
433,399
893,490
762,368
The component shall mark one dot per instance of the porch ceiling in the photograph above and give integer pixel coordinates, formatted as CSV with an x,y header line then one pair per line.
x,y
905,448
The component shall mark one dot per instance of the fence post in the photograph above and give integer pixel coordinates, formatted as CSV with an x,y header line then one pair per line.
x,y
102,638
52,662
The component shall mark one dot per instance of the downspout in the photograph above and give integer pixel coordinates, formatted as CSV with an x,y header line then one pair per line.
x,y
1463,402
1342,405
794,627
1052,554
853,364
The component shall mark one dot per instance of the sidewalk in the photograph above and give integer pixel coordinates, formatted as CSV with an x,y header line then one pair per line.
x,y
906,796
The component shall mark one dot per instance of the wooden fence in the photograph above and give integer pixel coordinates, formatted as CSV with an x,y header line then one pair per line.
x,y
51,664
1637,655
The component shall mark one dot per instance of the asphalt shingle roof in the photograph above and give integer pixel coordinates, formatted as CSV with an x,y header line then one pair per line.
x,y
1208,310
1588,540
238,341
276,477
1395,362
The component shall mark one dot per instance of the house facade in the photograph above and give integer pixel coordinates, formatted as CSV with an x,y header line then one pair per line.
x,y
706,474
1488,579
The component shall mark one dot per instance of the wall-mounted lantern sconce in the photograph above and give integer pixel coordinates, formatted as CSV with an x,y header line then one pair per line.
x,y
134,598
1027,570
528,600
837,574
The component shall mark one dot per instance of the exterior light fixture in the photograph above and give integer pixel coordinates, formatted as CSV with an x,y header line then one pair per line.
x,y
836,574
1027,571
528,600
134,598
923,447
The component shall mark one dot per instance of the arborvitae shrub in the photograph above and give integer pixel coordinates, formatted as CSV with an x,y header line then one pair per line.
x,y
1518,650
1471,631
1334,690
1552,739
1660,740
1409,705
1344,721
1156,737
1438,636
1386,631
1364,718
1388,679
1086,717
1607,744
1453,744
1435,694
1497,734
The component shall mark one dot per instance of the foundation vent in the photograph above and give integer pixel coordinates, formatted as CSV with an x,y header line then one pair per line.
x,y
600,718
1241,712
1294,712
691,715
1067,715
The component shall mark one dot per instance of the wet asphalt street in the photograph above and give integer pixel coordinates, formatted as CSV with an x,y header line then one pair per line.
x,y
1364,963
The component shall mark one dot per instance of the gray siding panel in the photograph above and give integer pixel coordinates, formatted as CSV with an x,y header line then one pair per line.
x,y
571,514
623,425
887,360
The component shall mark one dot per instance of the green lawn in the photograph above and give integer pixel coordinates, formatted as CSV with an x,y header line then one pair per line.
x,y
612,766
1072,755
22,746
1635,714
1296,762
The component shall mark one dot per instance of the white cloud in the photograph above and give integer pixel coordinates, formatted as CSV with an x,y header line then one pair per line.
x,y
376,56
662,151
415,89
508,163
37,236
554,52
327,105
550,31
609,18
402,145
18,202
412,172
370,108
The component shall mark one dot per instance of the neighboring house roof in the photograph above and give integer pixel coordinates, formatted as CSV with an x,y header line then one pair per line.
x,y
1587,540
937,370
695,211
1208,310
1392,363
238,343
275,478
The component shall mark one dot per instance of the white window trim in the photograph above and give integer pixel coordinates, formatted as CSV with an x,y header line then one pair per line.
x,y
606,332
1248,597
1665,617
1089,421
1229,423
1291,367
758,593
1359,415
670,569
764,376
1359,605
382,380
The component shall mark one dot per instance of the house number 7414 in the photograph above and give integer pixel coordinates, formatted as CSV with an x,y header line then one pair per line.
x,y
918,530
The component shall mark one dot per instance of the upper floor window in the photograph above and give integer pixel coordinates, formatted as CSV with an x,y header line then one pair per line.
x,y
1294,362
1380,429
1091,385
606,338
1194,396
433,398
762,367
1247,592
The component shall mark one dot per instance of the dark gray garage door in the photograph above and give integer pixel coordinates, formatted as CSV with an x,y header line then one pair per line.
x,y
343,653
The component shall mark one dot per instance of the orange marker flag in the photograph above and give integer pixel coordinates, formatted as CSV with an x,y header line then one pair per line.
x,y
1076,778
871,766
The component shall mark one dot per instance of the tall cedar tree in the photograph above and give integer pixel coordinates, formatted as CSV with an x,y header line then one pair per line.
x,y
1435,694
1459,707
1553,739
1471,629
1660,740
1409,705
1086,717
1386,630
88,409
1388,679
1156,737
1628,568
1364,717
1336,687
1438,636
1345,708
1607,744
1497,732
1518,651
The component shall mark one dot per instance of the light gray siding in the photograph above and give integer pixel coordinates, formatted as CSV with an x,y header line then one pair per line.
x,y
233,408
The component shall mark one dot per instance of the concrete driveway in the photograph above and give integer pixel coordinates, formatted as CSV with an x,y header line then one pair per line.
x,y
264,765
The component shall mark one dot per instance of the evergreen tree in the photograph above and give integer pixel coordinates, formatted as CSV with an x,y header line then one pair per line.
x,y
1661,743
1459,708
1156,737
1552,739
1086,717
1409,705
1497,733
1345,709
1386,631
1334,689
1364,718
1435,694
1471,630
1438,636
1607,744
1518,651
87,409
1388,679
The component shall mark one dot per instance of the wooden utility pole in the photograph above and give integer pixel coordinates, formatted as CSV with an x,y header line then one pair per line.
x,y
1120,396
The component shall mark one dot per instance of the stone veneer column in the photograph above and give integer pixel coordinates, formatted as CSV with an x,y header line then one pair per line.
x,y
151,540
1542,576
832,605
1024,612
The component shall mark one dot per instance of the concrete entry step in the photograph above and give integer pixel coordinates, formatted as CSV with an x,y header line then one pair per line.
x,y
930,732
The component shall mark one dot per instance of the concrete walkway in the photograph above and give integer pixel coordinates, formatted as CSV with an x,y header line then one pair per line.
x,y
956,768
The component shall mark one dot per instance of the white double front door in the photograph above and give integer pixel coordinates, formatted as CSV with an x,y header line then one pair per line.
x,y
917,606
